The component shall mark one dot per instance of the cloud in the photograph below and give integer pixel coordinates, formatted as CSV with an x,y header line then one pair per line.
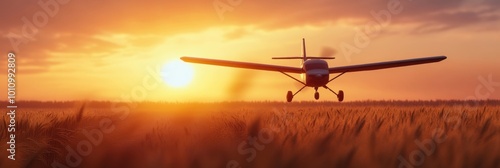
x,y
74,26
170,17
445,21
236,33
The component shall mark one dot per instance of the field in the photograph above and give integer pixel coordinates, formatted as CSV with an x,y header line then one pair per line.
x,y
255,134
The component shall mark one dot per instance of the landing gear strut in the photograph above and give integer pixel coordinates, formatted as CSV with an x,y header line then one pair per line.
x,y
340,95
290,94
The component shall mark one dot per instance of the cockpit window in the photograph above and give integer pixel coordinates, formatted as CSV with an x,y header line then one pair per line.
x,y
316,65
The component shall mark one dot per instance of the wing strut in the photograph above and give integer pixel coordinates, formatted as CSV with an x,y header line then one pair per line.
x,y
293,78
336,77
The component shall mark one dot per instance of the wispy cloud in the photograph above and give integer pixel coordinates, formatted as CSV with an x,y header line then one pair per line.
x,y
97,27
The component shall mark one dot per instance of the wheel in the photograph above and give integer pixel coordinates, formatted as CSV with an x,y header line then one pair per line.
x,y
289,96
340,96
316,95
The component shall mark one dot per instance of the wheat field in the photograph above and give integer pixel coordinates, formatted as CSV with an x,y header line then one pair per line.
x,y
256,134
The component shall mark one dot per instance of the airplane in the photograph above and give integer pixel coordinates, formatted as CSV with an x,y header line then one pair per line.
x,y
316,69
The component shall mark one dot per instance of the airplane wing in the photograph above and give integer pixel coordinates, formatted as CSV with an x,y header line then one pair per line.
x,y
384,65
246,65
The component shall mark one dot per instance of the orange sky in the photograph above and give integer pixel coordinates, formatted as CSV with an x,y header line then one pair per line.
x,y
103,50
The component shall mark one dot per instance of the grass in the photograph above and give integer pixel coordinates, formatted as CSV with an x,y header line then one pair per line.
x,y
257,134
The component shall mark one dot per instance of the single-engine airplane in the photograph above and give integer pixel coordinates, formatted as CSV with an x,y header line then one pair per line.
x,y
316,70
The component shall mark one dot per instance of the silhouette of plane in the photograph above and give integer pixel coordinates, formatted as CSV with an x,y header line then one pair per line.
x,y
316,70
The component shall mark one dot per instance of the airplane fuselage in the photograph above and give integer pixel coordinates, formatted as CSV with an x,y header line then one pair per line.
x,y
317,74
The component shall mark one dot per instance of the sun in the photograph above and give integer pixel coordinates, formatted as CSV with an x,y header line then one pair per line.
x,y
177,73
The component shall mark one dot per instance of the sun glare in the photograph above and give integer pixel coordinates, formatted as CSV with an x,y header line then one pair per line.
x,y
177,73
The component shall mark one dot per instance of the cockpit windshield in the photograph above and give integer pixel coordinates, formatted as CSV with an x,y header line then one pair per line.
x,y
313,64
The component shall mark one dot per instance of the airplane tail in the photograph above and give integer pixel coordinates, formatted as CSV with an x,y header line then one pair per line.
x,y
304,54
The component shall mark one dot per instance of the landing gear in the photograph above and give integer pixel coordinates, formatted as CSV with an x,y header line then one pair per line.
x,y
316,93
340,95
290,94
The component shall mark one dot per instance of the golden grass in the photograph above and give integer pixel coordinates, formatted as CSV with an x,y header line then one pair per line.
x,y
260,134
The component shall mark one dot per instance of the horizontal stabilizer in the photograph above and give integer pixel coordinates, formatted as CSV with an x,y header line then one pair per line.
x,y
287,58
320,57
303,57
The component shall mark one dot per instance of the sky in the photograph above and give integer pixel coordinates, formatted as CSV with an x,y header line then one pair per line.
x,y
110,50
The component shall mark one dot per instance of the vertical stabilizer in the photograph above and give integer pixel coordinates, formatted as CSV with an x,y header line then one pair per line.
x,y
304,55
